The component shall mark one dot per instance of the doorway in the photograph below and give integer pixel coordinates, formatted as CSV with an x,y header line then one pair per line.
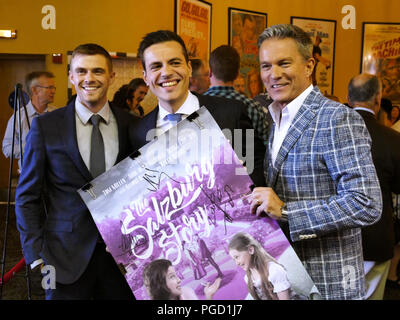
x,y
13,69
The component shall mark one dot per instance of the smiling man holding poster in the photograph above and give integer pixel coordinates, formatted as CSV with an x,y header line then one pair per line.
x,y
322,183
62,154
167,71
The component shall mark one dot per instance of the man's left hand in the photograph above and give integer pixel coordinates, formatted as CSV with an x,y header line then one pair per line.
x,y
265,200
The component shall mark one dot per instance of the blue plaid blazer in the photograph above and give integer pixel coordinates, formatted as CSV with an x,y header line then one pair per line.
x,y
325,174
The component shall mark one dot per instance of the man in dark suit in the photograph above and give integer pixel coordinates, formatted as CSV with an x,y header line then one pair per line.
x,y
65,150
167,70
364,95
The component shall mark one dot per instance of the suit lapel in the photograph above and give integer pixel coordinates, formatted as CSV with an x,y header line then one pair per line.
x,y
122,132
68,136
150,123
301,121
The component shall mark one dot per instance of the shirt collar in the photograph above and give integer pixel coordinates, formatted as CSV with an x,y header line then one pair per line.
x,y
30,109
291,108
190,105
84,113
220,88
364,109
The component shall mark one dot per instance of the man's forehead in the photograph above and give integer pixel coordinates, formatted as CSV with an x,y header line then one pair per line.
x,y
89,60
44,79
173,48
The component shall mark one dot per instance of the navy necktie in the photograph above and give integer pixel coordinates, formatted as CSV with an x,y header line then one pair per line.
x,y
97,156
174,117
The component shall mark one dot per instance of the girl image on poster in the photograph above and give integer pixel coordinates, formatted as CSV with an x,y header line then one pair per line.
x,y
162,283
266,278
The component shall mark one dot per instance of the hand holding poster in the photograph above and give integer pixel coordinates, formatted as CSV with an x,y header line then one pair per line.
x,y
176,216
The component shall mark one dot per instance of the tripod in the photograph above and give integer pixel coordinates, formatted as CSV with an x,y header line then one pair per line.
x,y
17,104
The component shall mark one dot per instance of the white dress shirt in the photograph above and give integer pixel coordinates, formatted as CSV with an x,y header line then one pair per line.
x,y
190,105
363,109
7,141
284,118
108,129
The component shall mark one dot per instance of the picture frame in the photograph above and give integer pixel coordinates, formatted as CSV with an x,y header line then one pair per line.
x,y
323,35
244,27
193,24
380,55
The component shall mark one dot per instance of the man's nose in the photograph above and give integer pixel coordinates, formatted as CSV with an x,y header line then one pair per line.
x,y
276,72
89,76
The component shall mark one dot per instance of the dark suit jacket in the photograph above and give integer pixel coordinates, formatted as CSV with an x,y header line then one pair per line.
x,y
52,159
378,239
228,113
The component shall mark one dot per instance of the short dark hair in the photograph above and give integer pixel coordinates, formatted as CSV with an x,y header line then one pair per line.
x,y
225,63
136,83
91,49
120,97
363,91
284,31
196,65
159,37
30,79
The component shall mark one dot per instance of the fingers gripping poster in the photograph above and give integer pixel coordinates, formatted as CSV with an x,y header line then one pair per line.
x,y
175,216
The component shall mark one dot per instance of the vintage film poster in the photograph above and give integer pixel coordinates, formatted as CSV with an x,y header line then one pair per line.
x,y
176,213
193,24
244,29
381,56
322,33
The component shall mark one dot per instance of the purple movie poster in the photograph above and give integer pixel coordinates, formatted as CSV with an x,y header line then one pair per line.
x,y
176,219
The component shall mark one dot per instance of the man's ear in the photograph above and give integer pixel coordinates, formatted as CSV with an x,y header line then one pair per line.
x,y
145,77
112,77
349,101
310,65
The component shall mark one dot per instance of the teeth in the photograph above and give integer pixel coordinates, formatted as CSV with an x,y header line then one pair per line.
x,y
90,88
169,84
277,85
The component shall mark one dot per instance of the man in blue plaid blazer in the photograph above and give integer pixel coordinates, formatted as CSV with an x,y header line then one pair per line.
x,y
322,184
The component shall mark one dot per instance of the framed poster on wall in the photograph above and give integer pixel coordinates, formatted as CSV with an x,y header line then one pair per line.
x,y
193,24
244,27
380,55
322,33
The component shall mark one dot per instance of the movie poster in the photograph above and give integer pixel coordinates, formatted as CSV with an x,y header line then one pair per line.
x,y
322,34
381,56
176,214
193,24
244,29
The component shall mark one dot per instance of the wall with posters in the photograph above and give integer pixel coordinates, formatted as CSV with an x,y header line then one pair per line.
x,y
120,24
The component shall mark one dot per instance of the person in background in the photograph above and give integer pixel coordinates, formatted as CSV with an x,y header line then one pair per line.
x,y
199,82
137,91
364,96
224,69
394,115
254,83
41,89
240,84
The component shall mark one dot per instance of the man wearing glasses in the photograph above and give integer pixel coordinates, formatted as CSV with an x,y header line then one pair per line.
x,y
41,89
